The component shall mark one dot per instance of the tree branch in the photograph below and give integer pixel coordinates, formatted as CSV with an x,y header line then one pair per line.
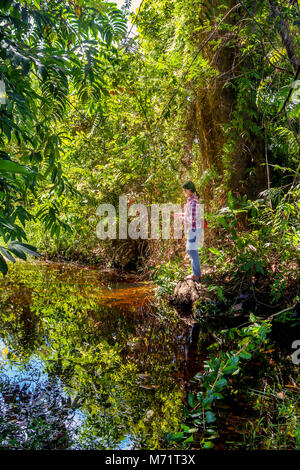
x,y
285,34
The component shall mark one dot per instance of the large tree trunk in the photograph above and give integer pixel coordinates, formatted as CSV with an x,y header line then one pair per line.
x,y
215,105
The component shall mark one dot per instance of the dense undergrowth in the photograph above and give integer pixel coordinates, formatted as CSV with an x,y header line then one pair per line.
x,y
251,277
207,91
248,367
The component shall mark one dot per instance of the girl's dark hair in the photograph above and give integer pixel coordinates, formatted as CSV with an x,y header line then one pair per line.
x,y
190,185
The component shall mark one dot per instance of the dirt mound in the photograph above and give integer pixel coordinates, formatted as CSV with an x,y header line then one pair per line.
x,y
186,293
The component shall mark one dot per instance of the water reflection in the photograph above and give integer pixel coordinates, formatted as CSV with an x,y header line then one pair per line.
x,y
85,363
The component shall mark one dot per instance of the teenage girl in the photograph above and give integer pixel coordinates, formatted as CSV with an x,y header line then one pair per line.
x,y
192,227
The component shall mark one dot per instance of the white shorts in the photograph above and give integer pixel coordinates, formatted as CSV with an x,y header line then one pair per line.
x,y
193,238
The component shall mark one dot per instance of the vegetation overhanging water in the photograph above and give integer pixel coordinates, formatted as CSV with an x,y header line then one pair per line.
x,y
84,363
90,363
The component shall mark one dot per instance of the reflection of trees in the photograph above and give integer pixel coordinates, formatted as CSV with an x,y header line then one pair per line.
x,y
34,415
119,364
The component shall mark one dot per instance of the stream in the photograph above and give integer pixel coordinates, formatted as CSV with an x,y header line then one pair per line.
x,y
85,363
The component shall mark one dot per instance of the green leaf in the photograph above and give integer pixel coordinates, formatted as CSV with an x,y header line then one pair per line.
x,y
245,355
189,439
229,370
252,318
210,417
215,251
222,382
191,400
7,254
230,200
177,437
29,249
13,167
208,445
3,265
16,251
185,412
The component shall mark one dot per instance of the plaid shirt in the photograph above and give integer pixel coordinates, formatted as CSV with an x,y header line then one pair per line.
x,y
192,213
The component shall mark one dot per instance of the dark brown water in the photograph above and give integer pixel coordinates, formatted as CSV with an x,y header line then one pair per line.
x,y
85,362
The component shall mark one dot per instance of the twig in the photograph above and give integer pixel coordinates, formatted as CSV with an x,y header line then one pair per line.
x,y
282,311
271,316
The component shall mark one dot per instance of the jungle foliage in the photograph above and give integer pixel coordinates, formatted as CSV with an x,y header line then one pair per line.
x,y
53,54
202,90
129,115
